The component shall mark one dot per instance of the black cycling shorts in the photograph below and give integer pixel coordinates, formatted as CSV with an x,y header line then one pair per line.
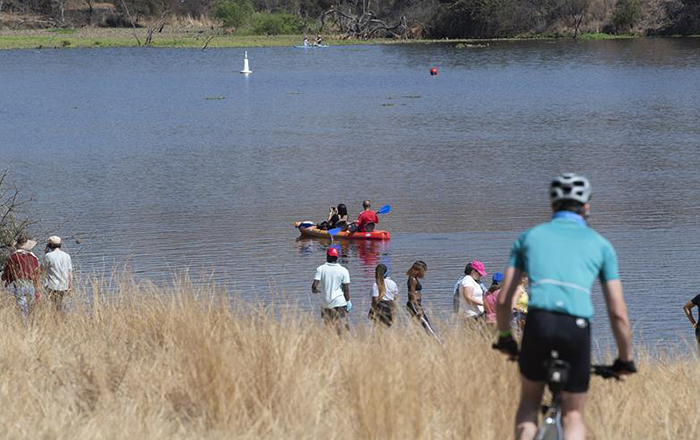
x,y
568,335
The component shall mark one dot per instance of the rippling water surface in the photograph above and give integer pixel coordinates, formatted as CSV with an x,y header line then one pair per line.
x,y
122,148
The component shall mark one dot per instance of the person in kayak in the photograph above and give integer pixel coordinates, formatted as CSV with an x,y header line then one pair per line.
x,y
318,41
384,296
415,296
306,41
366,217
336,215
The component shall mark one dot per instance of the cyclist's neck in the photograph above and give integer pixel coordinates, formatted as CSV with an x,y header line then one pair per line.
x,y
568,215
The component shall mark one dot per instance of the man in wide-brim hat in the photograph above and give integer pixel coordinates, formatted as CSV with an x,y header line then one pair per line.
x,y
21,274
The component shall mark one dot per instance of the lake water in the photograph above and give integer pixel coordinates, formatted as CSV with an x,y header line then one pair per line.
x,y
127,150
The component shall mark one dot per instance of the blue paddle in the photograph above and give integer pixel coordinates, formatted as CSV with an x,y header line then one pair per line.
x,y
384,209
333,232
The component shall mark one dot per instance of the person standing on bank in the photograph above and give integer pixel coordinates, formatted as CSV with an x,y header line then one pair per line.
x,y
470,291
688,309
334,281
21,275
415,296
58,268
385,292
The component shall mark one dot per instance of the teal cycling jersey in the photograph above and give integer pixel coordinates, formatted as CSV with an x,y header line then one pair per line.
x,y
562,258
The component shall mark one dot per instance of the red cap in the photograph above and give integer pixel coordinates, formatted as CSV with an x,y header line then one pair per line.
x,y
332,251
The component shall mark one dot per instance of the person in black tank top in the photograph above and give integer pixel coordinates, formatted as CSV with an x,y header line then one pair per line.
x,y
415,296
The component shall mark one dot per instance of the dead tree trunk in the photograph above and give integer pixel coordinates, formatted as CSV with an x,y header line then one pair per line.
x,y
157,25
361,23
13,221
133,25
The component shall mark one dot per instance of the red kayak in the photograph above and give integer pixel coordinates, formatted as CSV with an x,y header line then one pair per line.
x,y
313,231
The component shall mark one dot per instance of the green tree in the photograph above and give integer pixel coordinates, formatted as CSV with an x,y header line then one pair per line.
x,y
278,24
234,13
627,14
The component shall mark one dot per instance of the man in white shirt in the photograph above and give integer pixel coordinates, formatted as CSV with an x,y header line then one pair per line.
x,y
334,281
58,269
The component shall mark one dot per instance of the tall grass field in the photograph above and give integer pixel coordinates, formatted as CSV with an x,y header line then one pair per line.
x,y
182,362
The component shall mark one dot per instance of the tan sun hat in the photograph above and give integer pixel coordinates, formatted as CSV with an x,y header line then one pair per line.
x,y
54,240
27,245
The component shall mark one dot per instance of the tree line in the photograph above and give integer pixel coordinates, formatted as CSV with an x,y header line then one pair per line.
x,y
401,18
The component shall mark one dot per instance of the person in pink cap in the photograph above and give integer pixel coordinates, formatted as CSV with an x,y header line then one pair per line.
x,y
469,291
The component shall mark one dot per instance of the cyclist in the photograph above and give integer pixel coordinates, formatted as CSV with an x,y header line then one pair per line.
x,y
562,257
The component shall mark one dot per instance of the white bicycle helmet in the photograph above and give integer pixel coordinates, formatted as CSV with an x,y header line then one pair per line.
x,y
570,186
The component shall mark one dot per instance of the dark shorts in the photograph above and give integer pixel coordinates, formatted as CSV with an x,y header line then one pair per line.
x,y
568,335
334,314
382,313
697,333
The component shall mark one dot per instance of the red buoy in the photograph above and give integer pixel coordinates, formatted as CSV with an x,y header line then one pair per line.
x,y
433,71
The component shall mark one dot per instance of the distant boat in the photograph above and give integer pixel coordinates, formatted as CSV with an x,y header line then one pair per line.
x,y
311,46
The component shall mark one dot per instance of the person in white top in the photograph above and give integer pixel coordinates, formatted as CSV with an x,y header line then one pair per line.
x,y
385,292
468,289
58,269
334,281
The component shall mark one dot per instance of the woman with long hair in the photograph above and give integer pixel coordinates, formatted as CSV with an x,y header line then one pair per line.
x,y
415,296
336,215
384,296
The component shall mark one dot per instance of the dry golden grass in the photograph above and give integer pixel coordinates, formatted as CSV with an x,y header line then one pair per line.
x,y
173,363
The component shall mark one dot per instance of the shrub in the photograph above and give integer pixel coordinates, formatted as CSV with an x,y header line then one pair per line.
x,y
278,24
627,14
234,13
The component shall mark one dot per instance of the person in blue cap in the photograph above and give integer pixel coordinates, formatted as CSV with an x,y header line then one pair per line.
x,y
491,298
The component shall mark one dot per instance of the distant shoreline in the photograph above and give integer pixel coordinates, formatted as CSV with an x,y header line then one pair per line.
x,y
198,38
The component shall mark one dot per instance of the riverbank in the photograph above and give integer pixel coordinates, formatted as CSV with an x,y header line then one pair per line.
x,y
181,363
195,38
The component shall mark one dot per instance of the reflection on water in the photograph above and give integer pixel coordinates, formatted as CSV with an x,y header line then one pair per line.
x,y
123,148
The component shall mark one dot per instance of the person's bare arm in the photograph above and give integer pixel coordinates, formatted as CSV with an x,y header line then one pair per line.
x,y
619,320
314,287
688,309
507,298
346,291
468,295
487,304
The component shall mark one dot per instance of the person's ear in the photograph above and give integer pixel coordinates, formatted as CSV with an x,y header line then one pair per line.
x,y
586,209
